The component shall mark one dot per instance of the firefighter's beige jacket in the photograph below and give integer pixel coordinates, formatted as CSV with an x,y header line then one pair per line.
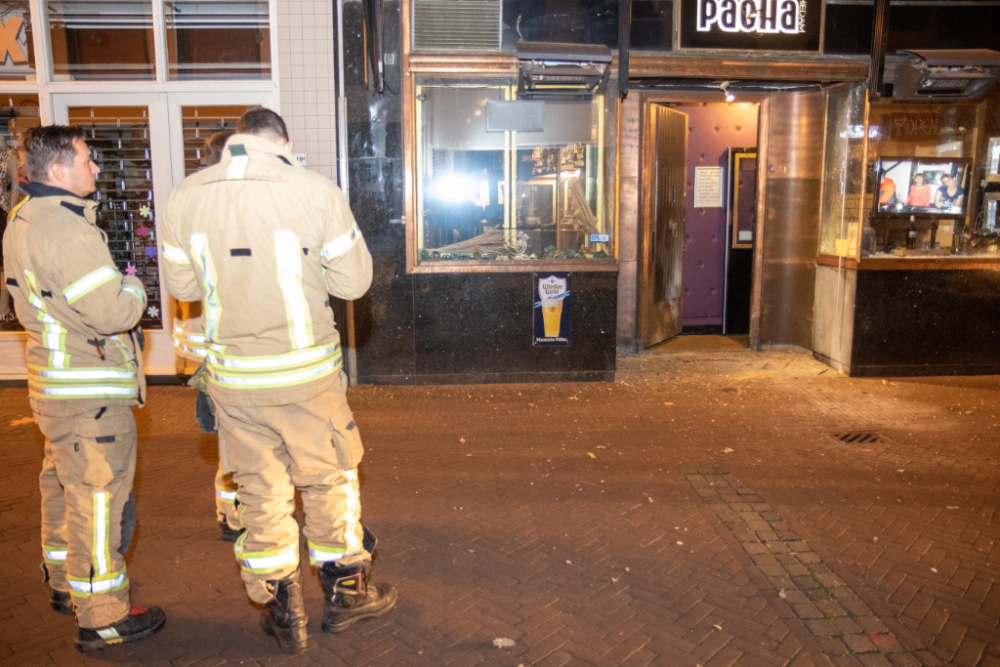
x,y
261,242
75,306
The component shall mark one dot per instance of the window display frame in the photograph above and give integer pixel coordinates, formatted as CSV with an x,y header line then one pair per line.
x,y
973,161
848,237
494,73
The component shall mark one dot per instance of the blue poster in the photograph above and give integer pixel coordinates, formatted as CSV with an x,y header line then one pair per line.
x,y
553,308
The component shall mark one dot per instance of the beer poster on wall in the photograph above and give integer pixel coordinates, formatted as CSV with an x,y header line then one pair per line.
x,y
553,308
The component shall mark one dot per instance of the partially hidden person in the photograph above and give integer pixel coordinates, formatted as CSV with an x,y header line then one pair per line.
x,y
188,337
263,242
85,372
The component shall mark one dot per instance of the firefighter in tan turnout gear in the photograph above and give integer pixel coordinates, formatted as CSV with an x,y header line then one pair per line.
x,y
84,372
262,242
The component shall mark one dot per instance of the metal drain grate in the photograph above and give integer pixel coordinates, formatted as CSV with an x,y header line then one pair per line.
x,y
858,437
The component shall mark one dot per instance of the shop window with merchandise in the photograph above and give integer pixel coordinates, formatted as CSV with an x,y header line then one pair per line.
x,y
911,180
489,196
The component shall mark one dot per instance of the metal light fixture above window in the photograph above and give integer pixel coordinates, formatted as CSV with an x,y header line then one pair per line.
x,y
946,74
554,69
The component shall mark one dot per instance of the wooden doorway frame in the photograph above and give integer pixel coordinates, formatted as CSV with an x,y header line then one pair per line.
x,y
637,201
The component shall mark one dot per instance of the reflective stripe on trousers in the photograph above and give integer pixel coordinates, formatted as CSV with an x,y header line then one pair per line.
x,y
54,555
90,390
101,548
114,581
265,562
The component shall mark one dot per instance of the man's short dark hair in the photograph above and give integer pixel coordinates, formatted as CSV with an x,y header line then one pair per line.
x,y
48,145
263,122
214,145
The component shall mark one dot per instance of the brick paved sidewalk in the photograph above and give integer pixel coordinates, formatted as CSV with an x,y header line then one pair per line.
x,y
699,511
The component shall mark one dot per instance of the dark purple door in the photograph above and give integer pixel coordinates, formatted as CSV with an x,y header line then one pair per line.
x,y
712,130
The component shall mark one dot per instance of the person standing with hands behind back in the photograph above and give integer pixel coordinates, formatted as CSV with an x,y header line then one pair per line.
x,y
84,373
262,242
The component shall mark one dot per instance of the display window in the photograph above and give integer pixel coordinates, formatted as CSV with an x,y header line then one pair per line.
x,y
922,184
491,195
910,180
843,171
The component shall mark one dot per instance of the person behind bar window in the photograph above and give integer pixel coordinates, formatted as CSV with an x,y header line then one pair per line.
x,y
920,192
886,193
949,195
261,242
84,372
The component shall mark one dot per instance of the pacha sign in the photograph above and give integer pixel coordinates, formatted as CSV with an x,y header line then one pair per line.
x,y
751,25
764,16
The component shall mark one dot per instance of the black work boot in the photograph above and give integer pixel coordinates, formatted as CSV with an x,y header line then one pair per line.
x,y
229,534
284,617
351,597
140,623
61,602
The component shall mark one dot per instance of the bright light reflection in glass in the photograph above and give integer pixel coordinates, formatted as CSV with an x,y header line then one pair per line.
x,y
455,188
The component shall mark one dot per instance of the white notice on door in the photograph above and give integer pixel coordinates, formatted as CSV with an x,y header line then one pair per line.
x,y
708,187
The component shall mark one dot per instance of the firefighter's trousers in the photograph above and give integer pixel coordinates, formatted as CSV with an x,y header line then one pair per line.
x,y
227,499
85,483
314,446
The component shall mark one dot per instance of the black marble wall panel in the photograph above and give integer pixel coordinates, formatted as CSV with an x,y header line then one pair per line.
x,y
909,323
440,329
481,325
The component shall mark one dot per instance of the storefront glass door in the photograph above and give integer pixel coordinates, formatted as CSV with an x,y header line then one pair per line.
x,y
145,144
130,138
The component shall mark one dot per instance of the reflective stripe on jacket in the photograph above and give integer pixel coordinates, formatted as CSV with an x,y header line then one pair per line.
x,y
262,242
75,306
188,333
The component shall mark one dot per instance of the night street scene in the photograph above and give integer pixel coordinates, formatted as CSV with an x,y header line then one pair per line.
x,y
517,333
